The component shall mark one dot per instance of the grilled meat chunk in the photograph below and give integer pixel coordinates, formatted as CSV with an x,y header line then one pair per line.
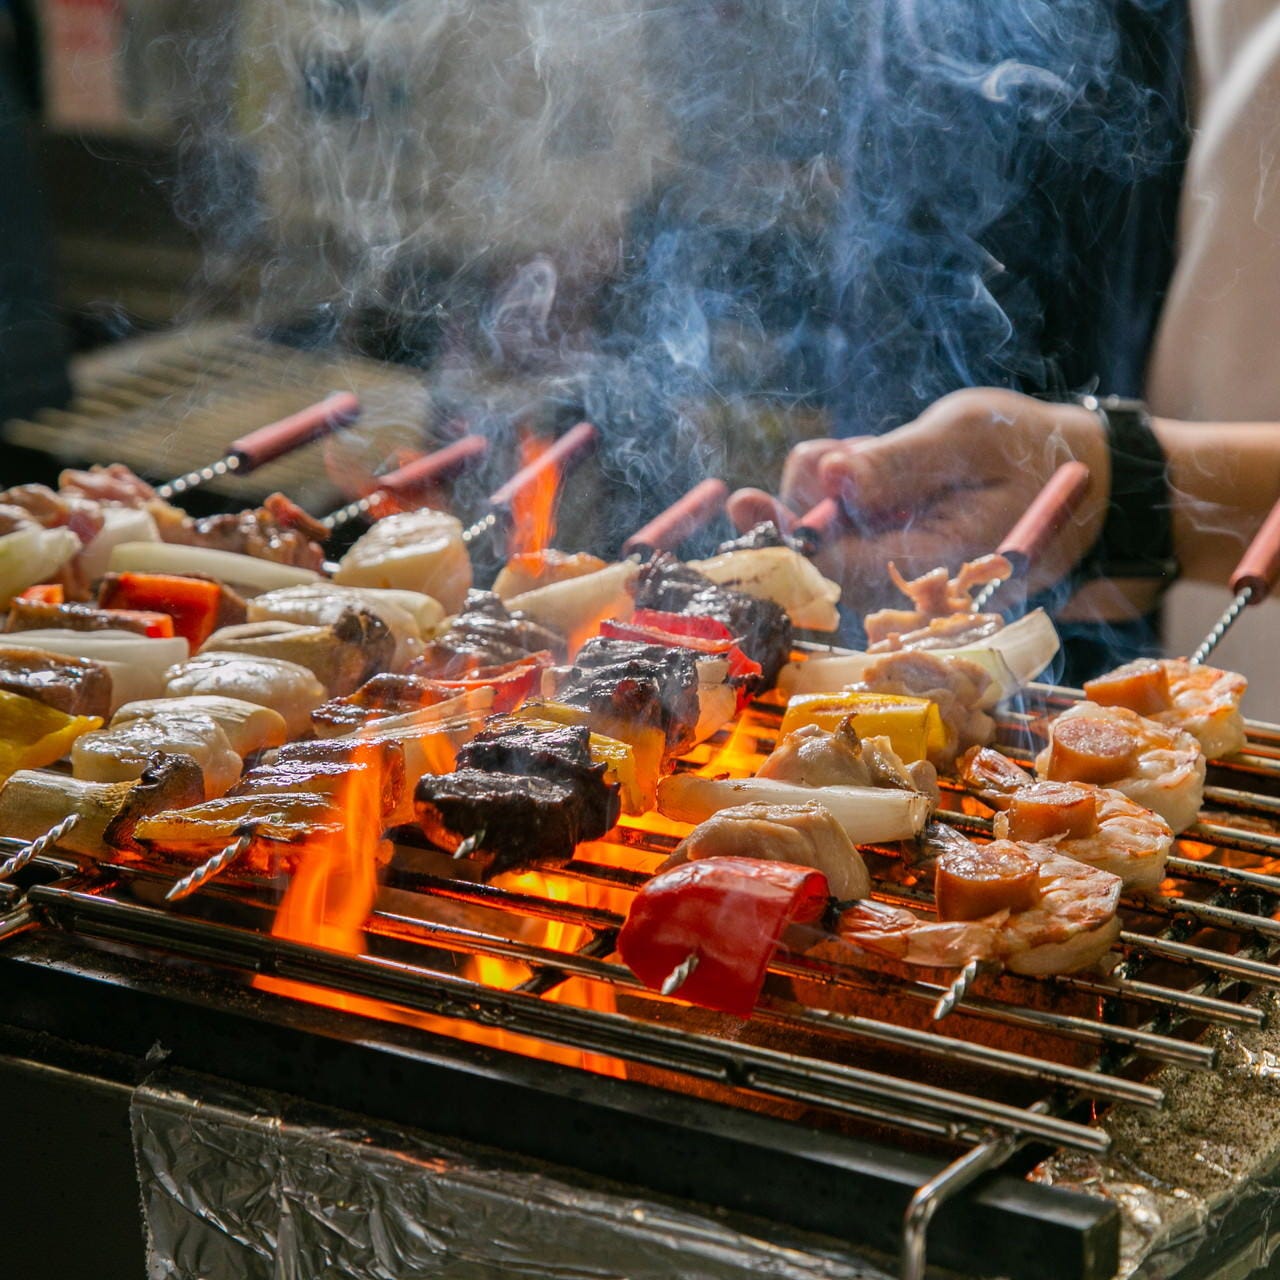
x,y
387,694
328,777
34,615
522,822
485,634
764,534
560,755
763,629
645,683
75,686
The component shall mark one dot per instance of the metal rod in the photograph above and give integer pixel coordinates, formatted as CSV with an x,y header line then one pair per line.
x,y
958,989
835,1087
12,865
943,1186
208,869
1223,625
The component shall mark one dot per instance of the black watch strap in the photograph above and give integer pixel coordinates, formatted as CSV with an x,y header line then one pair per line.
x,y
1137,536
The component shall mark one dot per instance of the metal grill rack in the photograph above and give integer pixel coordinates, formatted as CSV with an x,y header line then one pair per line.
x,y
167,405
840,1047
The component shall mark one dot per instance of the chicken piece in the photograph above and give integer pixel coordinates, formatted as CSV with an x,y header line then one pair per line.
x,y
411,617
415,550
342,655
956,686
249,727
804,834
290,689
121,753
811,756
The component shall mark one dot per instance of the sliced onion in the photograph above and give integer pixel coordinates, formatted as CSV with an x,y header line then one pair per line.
x,y
1011,657
869,815
119,525
247,574
137,663
575,607
781,575
31,555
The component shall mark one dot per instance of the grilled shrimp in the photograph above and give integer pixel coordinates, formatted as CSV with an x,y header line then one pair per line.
x,y
1092,824
1158,766
1070,924
1204,701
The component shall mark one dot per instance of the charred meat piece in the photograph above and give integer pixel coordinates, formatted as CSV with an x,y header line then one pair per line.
x,y
762,628
328,777
32,615
273,532
387,694
560,755
485,634
642,682
522,822
75,686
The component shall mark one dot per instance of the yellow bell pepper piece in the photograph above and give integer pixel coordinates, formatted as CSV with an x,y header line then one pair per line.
x,y
33,735
912,725
646,744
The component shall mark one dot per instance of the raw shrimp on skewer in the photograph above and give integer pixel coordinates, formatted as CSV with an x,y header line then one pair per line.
x,y
1092,824
1203,701
1160,767
1024,907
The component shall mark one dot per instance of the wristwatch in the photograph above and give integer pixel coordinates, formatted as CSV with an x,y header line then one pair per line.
x,y
1137,536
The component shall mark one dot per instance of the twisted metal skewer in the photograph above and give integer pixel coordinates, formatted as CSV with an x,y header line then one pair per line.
x,y
958,989
206,871
11,866
679,975
1222,626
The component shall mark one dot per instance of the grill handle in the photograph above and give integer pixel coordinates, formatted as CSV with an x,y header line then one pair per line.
x,y
566,452
665,532
278,438
1259,567
1044,518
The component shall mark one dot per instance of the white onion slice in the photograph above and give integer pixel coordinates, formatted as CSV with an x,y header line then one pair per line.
x,y
119,525
137,663
247,574
870,815
1011,657
575,607
783,576
28,556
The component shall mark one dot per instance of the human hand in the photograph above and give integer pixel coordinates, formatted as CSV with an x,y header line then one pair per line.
x,y
943,489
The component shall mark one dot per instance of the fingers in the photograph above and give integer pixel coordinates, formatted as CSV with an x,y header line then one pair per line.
x,y
802,485
750,507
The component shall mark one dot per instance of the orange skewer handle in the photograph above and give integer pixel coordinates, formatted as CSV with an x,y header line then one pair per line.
x,y
665,532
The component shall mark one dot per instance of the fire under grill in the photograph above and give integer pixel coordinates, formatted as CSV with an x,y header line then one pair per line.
x,y
841,1107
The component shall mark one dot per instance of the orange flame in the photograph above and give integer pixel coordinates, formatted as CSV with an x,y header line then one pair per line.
x,y
533,508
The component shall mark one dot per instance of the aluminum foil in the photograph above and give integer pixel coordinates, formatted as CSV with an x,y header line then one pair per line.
x,y
234,1187
1198,1182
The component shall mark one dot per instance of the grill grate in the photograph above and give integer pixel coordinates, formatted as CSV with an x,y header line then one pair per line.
x,y
1020,1061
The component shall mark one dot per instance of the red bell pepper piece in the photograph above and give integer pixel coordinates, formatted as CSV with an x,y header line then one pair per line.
x,y
689,631
512,682
192,603
729,915
156,624
46,593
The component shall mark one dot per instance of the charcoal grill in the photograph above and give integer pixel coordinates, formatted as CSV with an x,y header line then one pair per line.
x,y
839,1109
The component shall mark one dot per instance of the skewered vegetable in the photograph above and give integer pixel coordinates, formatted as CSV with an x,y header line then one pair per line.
x,y
121,752
249,727
912,725
249,575
709,928
414,551
33,734
782,575
290,689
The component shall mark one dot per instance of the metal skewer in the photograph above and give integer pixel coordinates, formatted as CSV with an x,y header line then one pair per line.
x,y
679,975
1042,521
958,989
413,477
1252,581
265,444
207,870
568,450
12,865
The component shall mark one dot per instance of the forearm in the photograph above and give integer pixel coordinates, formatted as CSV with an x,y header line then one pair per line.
x,y
1225,477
